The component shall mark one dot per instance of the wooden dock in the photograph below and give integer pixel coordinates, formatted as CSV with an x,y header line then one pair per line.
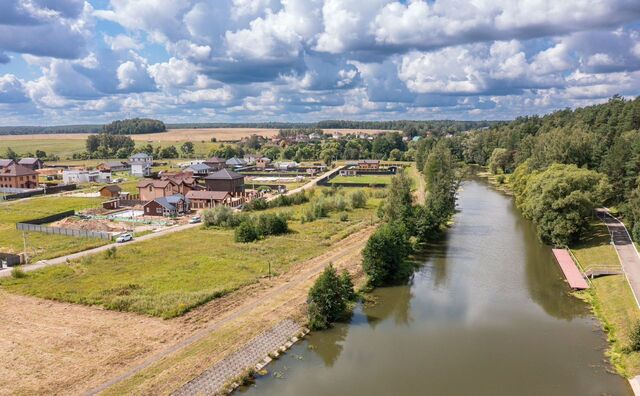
x,y
570,269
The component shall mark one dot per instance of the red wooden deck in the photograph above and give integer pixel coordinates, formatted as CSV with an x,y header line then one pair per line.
x,y
570,269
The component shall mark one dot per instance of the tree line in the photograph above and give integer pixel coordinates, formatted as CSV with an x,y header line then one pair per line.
x,y
563,165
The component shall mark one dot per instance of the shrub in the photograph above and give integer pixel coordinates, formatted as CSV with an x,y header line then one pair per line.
x,y
257,204
635,337
358,199
344,216
347,286
271,224
17,273
500,179
110,253
384,254
221,216
246,232
328,299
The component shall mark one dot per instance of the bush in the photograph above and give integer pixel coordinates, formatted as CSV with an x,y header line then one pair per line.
x,y
246,232
358,199
635,337
110,253
271,224
221,216
500,179
17,273
385,252
257,204
344,216
328,298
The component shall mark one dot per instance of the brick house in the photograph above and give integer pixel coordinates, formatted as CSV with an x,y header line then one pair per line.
x,y
262,163
208,199
4,163
18,176
225,180
214,163
369,164
31,163
149,190
172,205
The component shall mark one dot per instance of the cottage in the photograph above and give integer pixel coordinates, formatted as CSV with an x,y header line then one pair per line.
x,y
152,189
250,159
315,136
31,163
184,180
110,191
18,176
172,205
369,164
113,166
215,163
235,163
225,180
199,170
4,163
79,176
262,163
141,164
208,199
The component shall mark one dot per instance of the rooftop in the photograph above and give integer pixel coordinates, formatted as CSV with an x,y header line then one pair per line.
x,y
224,174
17,170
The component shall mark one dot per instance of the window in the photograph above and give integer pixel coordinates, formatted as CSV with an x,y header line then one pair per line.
x,y
158,210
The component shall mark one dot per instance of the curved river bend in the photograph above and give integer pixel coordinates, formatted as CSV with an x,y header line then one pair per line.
x,y
487,314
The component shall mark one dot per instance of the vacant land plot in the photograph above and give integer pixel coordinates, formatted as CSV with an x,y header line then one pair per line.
x,y
363,179
170,275
60,147
42,246
611,299
57,348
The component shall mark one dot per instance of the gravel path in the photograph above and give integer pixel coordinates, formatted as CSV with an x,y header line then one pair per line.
x,y
212,381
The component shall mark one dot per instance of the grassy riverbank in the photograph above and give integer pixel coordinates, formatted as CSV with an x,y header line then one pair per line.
x,y
611,299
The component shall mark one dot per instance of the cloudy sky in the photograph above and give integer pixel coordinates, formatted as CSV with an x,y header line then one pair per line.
x,y
74,61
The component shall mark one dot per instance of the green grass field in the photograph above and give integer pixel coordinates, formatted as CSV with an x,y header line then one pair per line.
x,y
42,246
611,299
170,275
364,179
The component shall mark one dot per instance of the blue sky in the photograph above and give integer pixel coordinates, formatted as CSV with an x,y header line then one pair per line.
x,y
74,61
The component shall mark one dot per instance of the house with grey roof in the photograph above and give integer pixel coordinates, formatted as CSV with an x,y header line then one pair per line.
x,y
172,205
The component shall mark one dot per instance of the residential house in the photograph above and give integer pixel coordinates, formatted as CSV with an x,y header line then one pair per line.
x,y
369,164
141,164
4,163
79,176
262,163
199,170
184,180
215,163
225,180
149,190
110,191
315,136
250,159
235,163
18,176
32,163
207,199
172,205
113,166
285,165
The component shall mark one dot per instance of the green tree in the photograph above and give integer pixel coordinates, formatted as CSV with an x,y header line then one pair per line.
x,y
560,200
10,154
398,206
246,232
169,152
384,254
187,149
327,299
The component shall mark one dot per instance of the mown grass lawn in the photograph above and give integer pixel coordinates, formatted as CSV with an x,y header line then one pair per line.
x,y
611,298
363,179
42,246
170,275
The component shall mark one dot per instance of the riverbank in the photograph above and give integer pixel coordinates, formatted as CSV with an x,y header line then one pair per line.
x,y
610,297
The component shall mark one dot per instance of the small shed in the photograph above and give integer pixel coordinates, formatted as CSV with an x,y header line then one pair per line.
x,y
110,191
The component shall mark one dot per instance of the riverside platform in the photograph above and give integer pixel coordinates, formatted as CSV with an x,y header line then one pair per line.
x,y
571,271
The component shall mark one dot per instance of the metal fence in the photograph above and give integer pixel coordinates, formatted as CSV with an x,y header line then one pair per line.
x,y
63,231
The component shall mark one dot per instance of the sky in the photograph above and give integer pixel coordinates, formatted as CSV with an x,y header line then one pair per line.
x,y
75,61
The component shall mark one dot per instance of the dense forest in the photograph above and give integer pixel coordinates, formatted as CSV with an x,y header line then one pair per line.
x,y
562,165
134,126
32,130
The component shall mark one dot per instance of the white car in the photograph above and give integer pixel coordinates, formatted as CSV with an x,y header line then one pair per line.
x,y
124,238
195,220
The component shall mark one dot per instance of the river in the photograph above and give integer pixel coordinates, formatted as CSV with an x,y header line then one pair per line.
x,y
486,314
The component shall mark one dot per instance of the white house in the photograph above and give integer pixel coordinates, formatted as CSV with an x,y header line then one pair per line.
x,y
79,176
141,164
285,165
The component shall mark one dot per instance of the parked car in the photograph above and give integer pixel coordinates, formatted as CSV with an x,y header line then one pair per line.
x,y
195,219
124,238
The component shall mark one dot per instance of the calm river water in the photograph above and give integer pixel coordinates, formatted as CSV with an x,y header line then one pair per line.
x,y
487,314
